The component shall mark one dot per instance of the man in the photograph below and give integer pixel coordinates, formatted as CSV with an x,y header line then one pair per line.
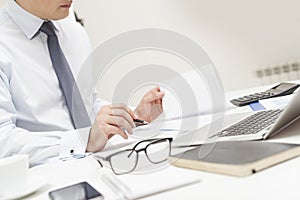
x,y
35,114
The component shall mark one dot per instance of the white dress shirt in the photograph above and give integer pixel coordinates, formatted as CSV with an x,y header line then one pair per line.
x,y
34,118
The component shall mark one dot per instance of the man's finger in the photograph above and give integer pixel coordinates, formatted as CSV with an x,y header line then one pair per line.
x,y
119,122
154,95
115,130
122,113
124,107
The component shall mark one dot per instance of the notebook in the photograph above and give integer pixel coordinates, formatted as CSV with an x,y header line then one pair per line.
x,y
236,158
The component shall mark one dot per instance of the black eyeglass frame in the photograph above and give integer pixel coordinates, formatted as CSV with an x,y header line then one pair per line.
x,y
152,141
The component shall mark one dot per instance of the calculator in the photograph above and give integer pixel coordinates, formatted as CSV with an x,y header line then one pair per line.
x,y
279,90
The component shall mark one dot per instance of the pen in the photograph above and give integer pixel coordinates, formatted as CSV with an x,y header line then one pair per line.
x,y
140,122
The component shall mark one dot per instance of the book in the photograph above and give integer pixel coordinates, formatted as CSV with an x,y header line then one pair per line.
x,y
236,158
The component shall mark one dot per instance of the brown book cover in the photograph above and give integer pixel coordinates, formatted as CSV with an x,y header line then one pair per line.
x,y
237,158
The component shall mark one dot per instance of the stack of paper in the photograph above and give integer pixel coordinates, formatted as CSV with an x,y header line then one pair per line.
x,y
134,186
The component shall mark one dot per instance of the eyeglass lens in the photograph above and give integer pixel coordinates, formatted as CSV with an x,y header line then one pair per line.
x,y
158,151
124,161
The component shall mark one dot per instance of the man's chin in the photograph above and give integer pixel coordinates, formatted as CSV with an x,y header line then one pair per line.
x,y
60,16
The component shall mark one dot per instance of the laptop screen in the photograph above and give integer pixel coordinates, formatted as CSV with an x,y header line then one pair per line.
x,y
289,115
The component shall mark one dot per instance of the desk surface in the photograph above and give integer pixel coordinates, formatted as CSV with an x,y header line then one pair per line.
x,y
278,182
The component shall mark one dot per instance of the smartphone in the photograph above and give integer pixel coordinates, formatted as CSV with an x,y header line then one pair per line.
x,y
79,191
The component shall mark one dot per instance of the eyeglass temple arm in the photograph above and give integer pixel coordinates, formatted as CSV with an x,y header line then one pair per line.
x,y
135,146
133,149
149,140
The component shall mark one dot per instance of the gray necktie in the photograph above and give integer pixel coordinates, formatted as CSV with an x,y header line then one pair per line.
x,y
75,104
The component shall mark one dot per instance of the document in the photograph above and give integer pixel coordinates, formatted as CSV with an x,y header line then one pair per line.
x,y
276,103
135,186
113,187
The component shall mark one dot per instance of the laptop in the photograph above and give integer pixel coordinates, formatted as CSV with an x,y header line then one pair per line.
x,y
262,124
259,125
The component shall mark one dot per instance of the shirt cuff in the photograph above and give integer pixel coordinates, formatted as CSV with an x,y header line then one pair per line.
x,y
73,143
98,104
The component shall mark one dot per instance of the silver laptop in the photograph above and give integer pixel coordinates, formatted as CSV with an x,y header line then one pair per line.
x,y
262,124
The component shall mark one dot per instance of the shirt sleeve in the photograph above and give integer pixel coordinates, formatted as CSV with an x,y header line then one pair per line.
x,y
98,103
40,146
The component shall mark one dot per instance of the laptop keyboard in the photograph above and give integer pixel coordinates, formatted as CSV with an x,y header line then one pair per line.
x,y
252,124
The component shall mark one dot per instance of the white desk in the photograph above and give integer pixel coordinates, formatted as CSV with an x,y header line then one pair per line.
x,y
278,182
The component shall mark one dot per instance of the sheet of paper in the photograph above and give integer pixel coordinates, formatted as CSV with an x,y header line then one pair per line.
x,y
276,103
129,186
116,143
135,186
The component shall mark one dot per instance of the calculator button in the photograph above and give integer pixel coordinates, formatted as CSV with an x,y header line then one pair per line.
x,y
246,98
242,99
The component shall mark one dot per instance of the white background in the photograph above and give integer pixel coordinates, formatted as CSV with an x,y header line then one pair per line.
x,y
240,36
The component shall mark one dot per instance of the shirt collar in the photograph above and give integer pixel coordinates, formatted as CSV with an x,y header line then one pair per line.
x,y
27,22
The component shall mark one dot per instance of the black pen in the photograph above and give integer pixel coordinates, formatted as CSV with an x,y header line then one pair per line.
x,y
139,122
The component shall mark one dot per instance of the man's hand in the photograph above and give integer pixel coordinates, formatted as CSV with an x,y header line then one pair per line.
x,y
118,119
150,106
110,120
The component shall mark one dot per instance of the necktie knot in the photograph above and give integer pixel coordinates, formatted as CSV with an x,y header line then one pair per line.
x,y
48,28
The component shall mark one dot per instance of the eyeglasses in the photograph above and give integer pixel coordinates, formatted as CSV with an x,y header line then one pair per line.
x,y
157,151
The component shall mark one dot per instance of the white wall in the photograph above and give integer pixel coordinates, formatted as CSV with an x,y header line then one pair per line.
x,y
2,2
241,36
